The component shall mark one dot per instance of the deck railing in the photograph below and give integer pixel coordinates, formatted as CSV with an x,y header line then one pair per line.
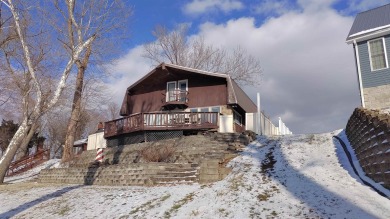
x,y
28,162
177,96
161,121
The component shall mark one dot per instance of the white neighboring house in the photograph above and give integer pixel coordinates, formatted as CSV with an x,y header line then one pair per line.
x,y
96,141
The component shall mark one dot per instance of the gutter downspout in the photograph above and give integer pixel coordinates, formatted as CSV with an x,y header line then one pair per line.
x,y
357,63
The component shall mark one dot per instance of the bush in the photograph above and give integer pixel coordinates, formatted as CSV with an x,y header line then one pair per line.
x,y
158,153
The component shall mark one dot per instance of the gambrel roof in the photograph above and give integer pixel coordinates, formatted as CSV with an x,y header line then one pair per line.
x,y
371,22
235,94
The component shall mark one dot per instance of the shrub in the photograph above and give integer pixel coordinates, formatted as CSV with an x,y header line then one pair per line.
x,y
158,153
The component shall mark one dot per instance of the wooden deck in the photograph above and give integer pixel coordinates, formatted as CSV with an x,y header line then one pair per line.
x,y
161,121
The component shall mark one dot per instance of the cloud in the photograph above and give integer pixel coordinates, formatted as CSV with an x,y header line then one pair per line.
x,y
309,71
125,71
309,75
356,6
271,7
197,7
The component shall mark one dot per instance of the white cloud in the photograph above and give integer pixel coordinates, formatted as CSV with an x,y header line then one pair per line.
x,y
273,7
125,71
202,6
309,74
309,71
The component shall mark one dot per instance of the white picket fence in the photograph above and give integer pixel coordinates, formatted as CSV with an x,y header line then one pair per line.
x,y
266,126
283,129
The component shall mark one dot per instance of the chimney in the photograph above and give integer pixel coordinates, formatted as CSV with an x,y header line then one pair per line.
x,y
100,126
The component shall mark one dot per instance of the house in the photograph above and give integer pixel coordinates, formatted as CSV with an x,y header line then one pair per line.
x,y
370,37
80,145
96,140
174,100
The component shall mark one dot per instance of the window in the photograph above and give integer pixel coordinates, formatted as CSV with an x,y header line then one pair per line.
x,y
171,88
215,109
177,91
237,118
377,53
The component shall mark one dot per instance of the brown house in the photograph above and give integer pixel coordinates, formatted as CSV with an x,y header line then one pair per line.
x,y
173,98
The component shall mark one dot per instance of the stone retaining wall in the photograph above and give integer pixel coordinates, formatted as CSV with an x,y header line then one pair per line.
x,y
123,175
196,159
368,132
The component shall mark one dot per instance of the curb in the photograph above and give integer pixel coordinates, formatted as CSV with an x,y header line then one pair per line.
x,y
354,168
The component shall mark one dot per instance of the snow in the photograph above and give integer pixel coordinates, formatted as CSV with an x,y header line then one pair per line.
x,y
359,169
295,176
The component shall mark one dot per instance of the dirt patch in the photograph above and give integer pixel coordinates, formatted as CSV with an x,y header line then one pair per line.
x,y
267,165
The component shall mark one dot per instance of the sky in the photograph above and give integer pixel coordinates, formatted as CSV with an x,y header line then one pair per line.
x,y
309,76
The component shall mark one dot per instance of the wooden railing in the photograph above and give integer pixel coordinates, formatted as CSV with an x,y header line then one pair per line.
x,y
177,96
161,121
28,162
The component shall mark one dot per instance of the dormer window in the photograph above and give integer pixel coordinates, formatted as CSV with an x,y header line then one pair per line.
x,y
377,53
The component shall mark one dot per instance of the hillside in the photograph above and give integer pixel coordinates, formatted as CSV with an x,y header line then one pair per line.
x,y
299,176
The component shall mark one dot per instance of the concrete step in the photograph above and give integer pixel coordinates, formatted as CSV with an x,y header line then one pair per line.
x,y
176,174
174,180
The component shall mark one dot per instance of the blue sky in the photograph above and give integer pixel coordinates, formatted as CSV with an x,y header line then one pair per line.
x,y
309,77
149,13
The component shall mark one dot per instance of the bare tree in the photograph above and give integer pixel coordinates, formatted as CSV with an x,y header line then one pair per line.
x,y
177,48
42,102
112,110
16,80
112,15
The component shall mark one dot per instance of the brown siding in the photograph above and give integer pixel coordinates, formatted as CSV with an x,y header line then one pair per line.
x,y
206,91
148,96
146,102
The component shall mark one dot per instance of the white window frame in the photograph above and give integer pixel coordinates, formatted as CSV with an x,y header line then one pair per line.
x,y
167,92
178,87
178,82
198,109
384,50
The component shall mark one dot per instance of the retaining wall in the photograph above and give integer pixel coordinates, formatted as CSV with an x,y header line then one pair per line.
x,y
368,132
196,159
123,175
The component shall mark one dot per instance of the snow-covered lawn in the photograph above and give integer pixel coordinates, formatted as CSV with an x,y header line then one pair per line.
x,y
298,176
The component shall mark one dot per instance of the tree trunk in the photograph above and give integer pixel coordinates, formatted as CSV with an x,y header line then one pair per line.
x,y
13,146
24,146
76,107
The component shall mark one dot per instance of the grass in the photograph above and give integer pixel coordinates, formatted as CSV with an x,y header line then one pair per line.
x,y
189,197
194,213
223,212
236,182
267,194
263,197
150,204
311,139
64,210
